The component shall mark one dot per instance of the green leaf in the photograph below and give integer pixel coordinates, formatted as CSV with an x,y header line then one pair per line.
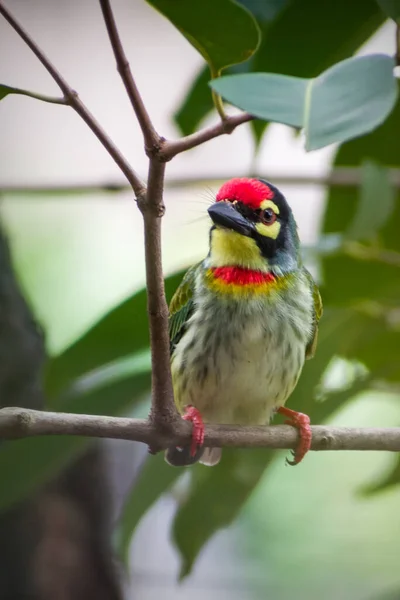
x,y
154,479
30,462
222,31
377,202
215,499
391,8
197,104
349,100
346,101
121,332
6,89
349,280
320,33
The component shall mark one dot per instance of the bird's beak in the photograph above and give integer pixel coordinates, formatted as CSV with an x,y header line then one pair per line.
x,y
225,215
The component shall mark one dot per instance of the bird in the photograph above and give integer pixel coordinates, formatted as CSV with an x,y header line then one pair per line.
x,y
243,321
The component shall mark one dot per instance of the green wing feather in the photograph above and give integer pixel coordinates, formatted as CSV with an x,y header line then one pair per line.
x,y
312,344
181,306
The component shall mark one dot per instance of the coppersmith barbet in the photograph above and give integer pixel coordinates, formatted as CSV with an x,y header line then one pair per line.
x,y
243,321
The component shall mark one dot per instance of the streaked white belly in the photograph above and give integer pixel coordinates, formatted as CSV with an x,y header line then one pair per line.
x,y
238,368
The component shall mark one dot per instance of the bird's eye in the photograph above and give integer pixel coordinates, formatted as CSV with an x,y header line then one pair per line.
x,y
268,216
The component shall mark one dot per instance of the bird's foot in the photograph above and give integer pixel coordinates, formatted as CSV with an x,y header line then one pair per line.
x,y
302,423
192,414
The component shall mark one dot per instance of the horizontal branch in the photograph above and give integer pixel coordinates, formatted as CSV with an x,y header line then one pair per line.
x,y
19,423
339,177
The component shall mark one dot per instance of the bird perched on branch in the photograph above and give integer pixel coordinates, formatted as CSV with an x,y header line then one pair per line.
x,y
243,321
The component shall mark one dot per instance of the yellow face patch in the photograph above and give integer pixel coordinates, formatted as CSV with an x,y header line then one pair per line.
x,y
232,248
271,231
269,204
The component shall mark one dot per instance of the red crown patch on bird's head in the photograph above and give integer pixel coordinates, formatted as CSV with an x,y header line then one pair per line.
x,y
249,191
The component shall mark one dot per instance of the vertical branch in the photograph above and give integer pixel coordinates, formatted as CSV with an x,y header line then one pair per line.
x,y
163,411
163,408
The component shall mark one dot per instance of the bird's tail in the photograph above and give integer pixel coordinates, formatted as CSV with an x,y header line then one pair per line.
x,y
181,457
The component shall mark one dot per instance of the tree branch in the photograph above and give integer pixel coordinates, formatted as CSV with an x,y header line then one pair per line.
x,y
163,407
163,412
151,138
73,100
18,423
170,148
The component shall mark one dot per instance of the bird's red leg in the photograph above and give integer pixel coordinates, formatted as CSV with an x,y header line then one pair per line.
x,y
194,415
302,423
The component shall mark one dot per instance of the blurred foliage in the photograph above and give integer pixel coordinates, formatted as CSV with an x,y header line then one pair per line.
x,y
107,370
391,8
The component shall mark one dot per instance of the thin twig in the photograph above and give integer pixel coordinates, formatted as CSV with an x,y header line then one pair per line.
x,y
76,103
20,422
170,148
151,137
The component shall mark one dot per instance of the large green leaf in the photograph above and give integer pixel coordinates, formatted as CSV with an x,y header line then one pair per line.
x,y
391,8
320,34
121,332
199,102
344,102
28,463
215,499
154,479
376,204
224,32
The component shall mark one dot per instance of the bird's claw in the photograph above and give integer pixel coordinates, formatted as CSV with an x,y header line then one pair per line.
x,y
194,415
302,423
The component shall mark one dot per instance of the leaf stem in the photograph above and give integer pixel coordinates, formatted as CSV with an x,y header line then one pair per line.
x,y
219,105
